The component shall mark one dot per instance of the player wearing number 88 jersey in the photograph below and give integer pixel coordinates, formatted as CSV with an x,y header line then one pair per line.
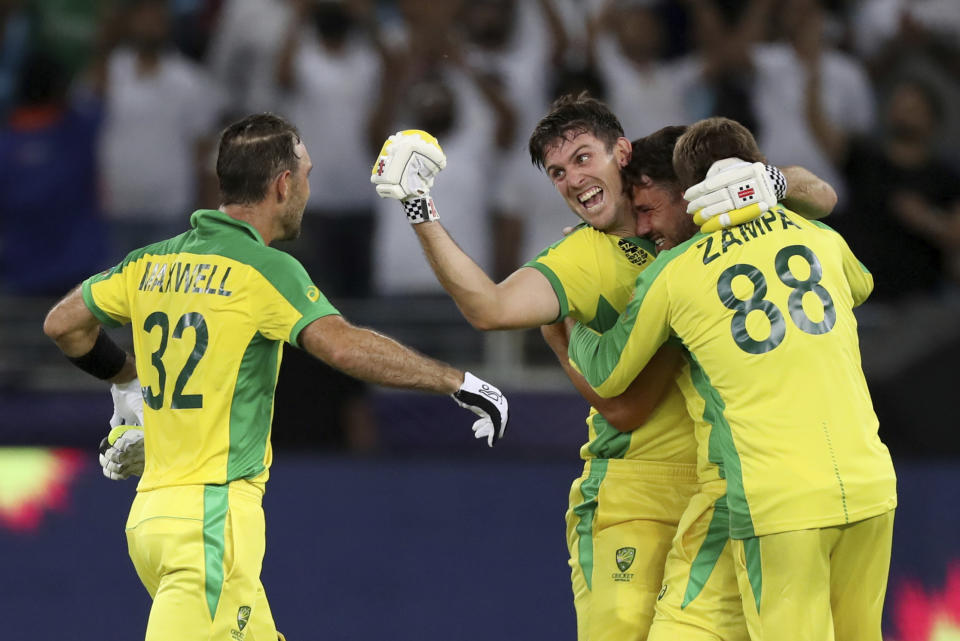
x,y
765,311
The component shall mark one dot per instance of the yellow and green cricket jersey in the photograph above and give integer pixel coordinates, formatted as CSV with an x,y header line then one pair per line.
x,y
765,311
593,274
210,310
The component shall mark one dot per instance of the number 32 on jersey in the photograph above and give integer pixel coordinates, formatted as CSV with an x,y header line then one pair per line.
x,y
179,400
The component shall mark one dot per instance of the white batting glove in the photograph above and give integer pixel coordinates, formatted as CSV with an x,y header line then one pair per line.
x,y
487,402
127,403
734,192
407,164
121,453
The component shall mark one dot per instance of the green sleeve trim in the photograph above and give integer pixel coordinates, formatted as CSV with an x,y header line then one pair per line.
x,y
557,285
99,314
306,320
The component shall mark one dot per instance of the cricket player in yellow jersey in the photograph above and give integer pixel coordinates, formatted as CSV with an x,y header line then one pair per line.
x,y
210,310
624,509
765,310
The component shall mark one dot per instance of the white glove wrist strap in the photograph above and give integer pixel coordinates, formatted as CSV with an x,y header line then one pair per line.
x,y
420,209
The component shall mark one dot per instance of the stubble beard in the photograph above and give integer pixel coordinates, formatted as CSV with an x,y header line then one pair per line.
x,y
292,223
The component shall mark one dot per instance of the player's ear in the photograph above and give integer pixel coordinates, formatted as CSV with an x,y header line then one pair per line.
x,y
281,186
622,151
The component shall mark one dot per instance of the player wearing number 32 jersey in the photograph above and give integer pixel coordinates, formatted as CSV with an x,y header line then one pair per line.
x,y
218,274
765,311
210,310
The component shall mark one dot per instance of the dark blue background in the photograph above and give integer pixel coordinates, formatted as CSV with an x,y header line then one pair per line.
x,y
463,548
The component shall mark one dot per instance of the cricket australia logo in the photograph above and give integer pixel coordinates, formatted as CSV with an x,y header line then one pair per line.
x,y
243,617
624,559
633,253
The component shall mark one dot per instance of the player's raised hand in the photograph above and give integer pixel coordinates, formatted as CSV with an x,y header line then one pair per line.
x,y
127,403
407,164
121,452
487,402
734,192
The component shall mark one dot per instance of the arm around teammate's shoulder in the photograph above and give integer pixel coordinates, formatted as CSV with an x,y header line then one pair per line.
x,y
373,357
807,194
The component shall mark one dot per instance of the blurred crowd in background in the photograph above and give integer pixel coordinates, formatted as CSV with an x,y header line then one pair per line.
x,y
111,110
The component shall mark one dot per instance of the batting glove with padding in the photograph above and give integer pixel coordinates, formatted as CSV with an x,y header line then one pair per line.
x,y
121,452
407,164
734,192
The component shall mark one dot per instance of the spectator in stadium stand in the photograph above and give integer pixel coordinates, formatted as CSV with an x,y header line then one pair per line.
x,y
782,77
904,199
902,218
50,227
629,44
161,111
519,48
245,44
328,71
429,85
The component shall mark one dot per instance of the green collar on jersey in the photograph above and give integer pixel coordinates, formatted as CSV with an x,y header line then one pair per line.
x,y
215,217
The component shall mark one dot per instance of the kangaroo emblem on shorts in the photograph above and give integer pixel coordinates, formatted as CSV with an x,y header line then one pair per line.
x,y
243,616
625,558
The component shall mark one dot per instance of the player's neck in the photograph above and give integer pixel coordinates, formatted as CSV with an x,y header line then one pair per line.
x,y
253,215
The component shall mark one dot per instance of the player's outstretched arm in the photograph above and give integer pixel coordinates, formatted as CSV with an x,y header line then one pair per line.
x,y
405,170
373,357
633,407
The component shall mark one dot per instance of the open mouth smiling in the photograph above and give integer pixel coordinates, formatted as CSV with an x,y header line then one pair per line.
x,y
591,198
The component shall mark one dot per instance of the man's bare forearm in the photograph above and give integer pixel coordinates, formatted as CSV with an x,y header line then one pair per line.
x,y
807,194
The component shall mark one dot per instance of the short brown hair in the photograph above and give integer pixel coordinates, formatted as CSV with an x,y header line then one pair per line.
x,y
253,151
653,157
569,116
708,141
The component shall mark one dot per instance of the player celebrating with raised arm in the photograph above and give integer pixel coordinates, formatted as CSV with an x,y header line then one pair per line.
x,y
210,309
625,507
765,310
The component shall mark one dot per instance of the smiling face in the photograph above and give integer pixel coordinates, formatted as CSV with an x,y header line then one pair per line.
x,y
662,214
587,175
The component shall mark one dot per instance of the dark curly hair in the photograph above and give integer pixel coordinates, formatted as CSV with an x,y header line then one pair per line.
x,y
569,116
653,157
